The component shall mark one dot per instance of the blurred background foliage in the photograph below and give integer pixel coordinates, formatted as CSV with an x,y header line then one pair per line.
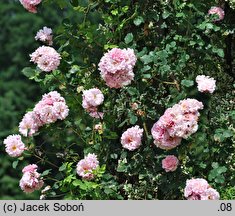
x,y
17,93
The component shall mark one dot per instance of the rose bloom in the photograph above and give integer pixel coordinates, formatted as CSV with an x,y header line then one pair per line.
x,y
45,35
205,84
30,168
116,67
170,163
31,179
48,110
131,138
30,5
29,124
92,98
14,145
218,11
210,194
162,139
177,122
190,105
86,166
199,189
119,79
46,58
51,108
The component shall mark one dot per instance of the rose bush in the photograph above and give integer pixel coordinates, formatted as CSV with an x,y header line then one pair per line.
x,y
145,108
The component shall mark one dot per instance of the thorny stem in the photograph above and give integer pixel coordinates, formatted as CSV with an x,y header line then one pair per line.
x,y
173,83
45,161
56,180
145,129
78,135
87,11
128,19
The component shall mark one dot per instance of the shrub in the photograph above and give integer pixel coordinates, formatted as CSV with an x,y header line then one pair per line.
x,y
154,52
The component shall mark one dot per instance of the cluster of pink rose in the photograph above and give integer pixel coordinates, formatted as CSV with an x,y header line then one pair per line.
x,y
92,98
48,110
86,166
30,5
178,122
46,58
116,67
131,138
31,179
45,35
205,84
14,145
199,189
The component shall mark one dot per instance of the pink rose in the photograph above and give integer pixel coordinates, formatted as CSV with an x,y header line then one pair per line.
x,y
86,166
199,189
205,84
170,163
218,11
131,138
30,5
116,67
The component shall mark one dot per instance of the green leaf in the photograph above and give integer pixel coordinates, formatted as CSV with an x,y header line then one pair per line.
x,y
77,182
220,179
129,38
132,91
108,191
133,119
46,172
114,12
221,170
138,20
202,165
14,164
63,167
228,133
187,83
209,26
147,76
109,46
146,59
180,15
28,72
222,134
114,156
220,53
215,165
145,68
122,167
83,186
165,14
